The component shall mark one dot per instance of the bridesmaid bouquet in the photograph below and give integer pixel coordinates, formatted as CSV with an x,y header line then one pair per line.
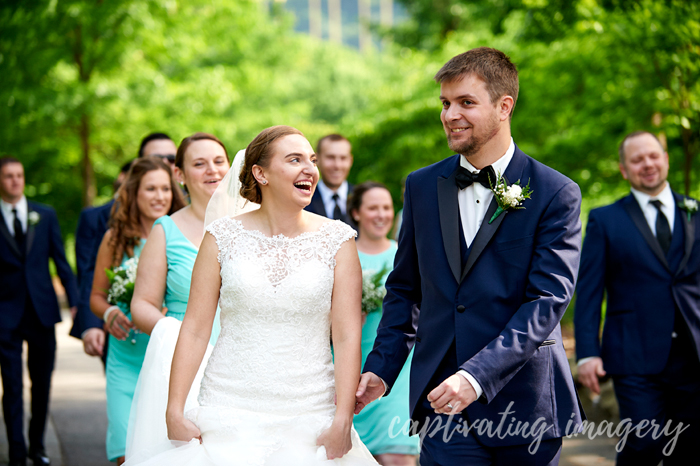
x,y
121,287
121,282
373,291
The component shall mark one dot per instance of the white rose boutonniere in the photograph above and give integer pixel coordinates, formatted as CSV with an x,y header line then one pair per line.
x,y
690,206
509,197
33,218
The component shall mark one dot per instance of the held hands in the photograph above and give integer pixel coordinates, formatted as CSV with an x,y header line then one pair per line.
x,y
94,341
589,373
370,388
336,440
118,324
452,396
181,429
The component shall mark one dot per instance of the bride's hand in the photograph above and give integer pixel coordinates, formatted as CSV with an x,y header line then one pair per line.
x,y
183,430
336,440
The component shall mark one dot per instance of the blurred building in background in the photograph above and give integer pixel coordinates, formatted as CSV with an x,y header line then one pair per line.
x,y
344,21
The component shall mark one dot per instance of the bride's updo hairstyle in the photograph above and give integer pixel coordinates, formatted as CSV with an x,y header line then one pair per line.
x,y
258,153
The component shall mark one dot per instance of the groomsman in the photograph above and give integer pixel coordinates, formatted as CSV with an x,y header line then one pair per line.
x,y
29,236
334,162
491,285
643,253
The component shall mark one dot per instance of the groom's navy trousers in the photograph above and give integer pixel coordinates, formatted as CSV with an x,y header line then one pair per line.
x,y
28,312
494,313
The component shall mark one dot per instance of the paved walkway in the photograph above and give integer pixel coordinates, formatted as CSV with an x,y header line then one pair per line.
x,y
78,422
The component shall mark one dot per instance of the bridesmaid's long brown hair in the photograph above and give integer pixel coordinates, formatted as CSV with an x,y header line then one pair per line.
x,y
124,222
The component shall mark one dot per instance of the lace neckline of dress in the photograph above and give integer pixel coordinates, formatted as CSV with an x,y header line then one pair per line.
x,y
282,237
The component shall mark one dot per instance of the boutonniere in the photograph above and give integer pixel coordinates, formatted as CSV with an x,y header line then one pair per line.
x,y
33,218
509,197
690,206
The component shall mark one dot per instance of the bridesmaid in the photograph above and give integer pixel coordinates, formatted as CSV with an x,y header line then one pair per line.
x,y
372,209
148,193
163,279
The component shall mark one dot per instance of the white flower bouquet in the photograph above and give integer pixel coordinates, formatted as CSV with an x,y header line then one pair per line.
x,y
373,290
121,282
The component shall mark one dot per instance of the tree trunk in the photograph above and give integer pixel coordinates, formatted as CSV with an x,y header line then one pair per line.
x,y
89,190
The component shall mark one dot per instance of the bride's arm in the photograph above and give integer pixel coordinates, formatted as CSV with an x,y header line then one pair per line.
x,y
150,284
194,337
346,328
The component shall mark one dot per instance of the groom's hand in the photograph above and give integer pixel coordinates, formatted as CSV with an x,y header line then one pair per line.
x,y
455,390
370,388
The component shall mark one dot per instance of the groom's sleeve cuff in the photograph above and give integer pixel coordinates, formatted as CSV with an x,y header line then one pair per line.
x,y
477,388
386,387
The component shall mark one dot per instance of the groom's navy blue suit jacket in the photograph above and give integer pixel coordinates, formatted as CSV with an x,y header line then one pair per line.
x,y
25,274
501,310
621,256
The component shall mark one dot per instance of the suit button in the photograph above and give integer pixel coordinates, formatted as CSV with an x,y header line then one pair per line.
x,y
461,308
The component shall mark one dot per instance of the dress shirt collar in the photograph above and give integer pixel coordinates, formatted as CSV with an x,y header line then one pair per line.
x,y
499,166
327,193
21,207
665,196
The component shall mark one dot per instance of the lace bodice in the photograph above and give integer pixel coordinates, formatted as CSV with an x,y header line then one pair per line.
x,y
273,354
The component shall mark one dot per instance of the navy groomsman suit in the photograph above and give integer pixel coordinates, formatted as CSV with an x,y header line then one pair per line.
x,y
318,207
651,338
28,311
92,226
491,309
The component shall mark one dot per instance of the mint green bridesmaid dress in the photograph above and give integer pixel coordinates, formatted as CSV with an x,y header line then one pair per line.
x,y
376,424
124,360
181,254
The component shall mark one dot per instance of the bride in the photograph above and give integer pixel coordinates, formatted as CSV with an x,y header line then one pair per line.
x,y
286,280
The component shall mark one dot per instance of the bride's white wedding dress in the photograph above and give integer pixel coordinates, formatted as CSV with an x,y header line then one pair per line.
x,y
268,388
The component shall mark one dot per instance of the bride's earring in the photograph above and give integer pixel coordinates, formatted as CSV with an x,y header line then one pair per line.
x,y
264,181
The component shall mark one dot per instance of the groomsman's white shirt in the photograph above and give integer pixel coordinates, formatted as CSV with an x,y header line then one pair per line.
x,y
21,207
668,207
473,202
327,197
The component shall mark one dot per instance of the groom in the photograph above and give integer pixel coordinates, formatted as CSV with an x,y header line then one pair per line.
x,y
492,287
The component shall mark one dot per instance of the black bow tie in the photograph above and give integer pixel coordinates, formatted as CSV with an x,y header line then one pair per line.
x,y
465,178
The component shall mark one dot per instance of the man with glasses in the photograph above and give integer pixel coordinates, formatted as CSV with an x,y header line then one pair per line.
x,y
158,145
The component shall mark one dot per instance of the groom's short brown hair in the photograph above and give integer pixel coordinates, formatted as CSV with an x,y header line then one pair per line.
x,y
490,65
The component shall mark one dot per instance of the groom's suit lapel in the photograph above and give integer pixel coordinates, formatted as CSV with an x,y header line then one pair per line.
x,y
448,209
635,212
487,230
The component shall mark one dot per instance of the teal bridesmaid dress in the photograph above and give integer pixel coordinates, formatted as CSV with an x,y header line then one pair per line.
x,y
181,254
124,360
376,424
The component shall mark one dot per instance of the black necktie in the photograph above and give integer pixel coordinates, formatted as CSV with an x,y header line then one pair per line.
x,y
19,234
337,213
466,178
663,229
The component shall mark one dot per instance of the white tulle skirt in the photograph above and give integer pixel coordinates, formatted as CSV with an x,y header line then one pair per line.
x,y
230,436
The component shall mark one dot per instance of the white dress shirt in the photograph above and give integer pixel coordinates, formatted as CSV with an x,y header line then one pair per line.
x,y
22,209
668,206
473,202
327,197
475,199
